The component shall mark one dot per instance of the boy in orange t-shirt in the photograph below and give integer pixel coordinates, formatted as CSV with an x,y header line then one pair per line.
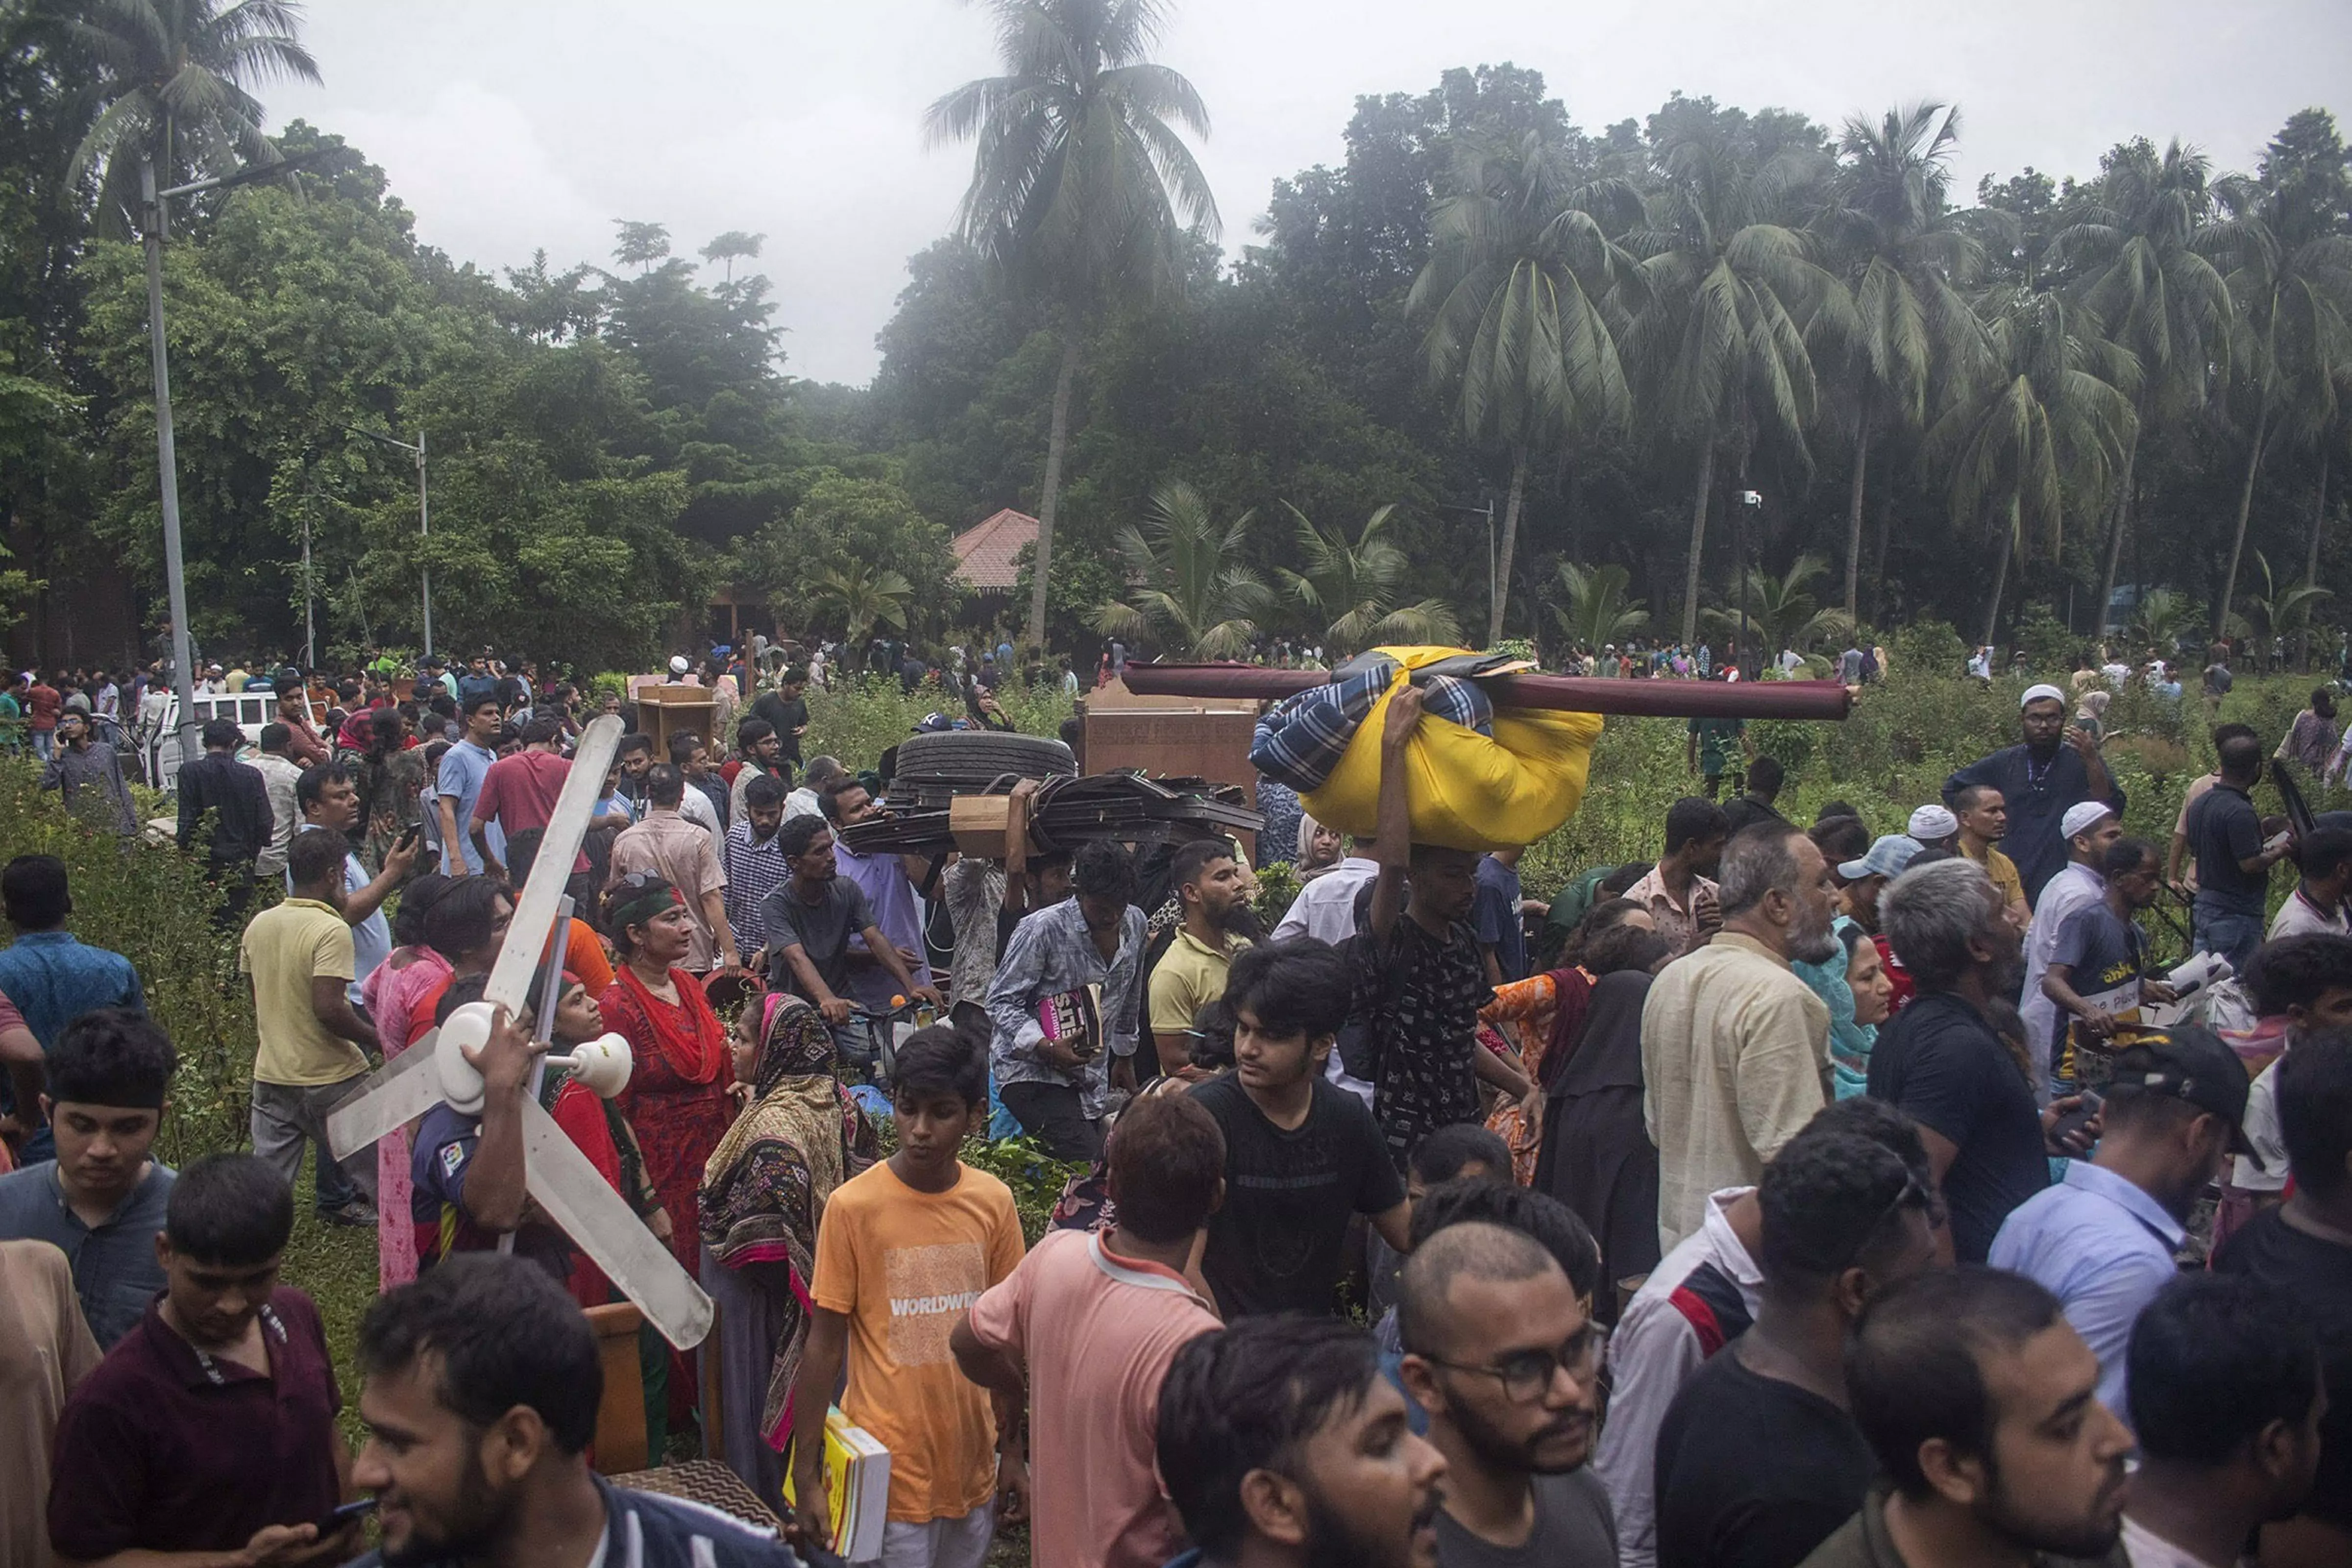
x,y
903,1251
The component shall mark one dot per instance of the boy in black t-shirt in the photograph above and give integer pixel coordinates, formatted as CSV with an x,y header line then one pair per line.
x,y
1300,1155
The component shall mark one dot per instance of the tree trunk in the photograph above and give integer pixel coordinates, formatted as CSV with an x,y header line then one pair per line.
x,y
2245,507
2115,540
1854,525
1498,588
1057,447
2000,573
2311,562
1698,538
1885,541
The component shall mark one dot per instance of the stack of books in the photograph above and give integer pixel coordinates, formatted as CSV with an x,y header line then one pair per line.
x,y
856,1485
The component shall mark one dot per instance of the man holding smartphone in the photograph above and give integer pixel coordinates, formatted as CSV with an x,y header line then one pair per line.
x,y
210,1429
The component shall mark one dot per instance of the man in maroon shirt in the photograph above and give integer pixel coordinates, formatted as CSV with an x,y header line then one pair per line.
x,y
209,1429
42,706
519,791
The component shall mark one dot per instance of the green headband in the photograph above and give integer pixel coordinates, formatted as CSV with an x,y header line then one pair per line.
x,y
646,903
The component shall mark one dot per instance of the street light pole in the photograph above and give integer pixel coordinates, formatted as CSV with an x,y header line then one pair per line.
x,y
1748,502
1486,511
184,684
424,516
423,531
175,581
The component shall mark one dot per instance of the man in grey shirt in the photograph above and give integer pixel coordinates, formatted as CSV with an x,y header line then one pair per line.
x,y
811,917
100,1201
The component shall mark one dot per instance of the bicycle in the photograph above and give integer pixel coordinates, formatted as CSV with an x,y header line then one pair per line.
x,y
870,1039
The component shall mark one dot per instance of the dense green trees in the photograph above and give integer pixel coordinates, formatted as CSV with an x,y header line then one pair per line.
x,y
2127,388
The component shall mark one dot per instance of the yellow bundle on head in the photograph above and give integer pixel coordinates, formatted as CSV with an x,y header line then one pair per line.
x,y
1465,790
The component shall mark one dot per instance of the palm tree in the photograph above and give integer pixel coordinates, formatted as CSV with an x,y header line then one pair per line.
x,y
1189,590
1520,262
2164,616
857,598
172,78
2275,614
2058,415
2291,284
1910,262
1596,612
1725,295
1078,181
2154,294
1781,610
1353,587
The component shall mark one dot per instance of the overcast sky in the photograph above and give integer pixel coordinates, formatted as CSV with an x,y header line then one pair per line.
x,y
509,125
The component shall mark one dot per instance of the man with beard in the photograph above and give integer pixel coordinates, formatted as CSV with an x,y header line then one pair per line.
x,y
1501,1354
89,776
1984,823
2091,829
2055,770
207,1435
1980,1404
1283,1446
2103,1239
1191,974
1941,1061
1758,1461
1731,1039
482,1386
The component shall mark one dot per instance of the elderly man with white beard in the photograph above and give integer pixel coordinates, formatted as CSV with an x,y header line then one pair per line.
x,y
1733,1044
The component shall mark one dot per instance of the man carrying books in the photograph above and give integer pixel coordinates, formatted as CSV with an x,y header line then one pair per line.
x,y
903,1251
1064,991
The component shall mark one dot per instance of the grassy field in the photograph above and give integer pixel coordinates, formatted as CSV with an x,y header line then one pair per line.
x,y
1893,754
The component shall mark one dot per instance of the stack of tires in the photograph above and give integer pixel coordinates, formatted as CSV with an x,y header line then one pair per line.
x,y
933,770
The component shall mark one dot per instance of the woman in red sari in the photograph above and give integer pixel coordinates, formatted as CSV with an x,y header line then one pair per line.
x,y
676,1100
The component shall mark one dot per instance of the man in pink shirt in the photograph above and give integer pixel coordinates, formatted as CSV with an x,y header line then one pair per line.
x,y
1084,1331
518,792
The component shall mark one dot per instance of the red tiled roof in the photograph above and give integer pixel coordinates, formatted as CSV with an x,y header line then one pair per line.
x,y
985,551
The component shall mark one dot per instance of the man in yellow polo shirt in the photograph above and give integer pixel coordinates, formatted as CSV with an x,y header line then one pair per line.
x,y
1984,822
299,954
1210,886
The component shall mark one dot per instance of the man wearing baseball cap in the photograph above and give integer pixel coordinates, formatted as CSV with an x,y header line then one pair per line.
x,y
2054,771
2102,1240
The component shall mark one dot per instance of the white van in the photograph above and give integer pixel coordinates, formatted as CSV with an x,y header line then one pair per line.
x,y
159,751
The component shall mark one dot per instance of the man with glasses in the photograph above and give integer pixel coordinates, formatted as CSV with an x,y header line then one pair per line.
x,y
1758,1461
1501,1353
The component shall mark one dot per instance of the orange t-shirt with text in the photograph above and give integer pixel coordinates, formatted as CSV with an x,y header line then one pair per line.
x,y
904,1267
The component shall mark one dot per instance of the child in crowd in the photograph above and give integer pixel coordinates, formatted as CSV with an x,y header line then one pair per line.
x,y
904,1248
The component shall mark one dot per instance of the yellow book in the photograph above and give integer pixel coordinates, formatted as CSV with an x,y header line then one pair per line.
x,y
856,1485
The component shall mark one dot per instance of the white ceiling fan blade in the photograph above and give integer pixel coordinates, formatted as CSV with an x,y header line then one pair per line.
x,y
534,916
586,1209
390,1096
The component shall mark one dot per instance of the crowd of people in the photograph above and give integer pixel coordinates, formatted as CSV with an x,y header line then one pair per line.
x,y
1807,1196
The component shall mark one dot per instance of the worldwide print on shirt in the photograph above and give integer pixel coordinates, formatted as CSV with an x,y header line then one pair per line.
x,y
930,1289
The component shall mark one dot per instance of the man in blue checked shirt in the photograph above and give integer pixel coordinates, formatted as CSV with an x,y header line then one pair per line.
x,y
1058,1087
